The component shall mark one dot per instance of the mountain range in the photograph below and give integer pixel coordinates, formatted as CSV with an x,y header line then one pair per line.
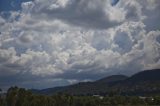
x,y
143,83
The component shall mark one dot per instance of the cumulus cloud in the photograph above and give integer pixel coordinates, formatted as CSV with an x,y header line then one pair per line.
x,y
90,13
58,42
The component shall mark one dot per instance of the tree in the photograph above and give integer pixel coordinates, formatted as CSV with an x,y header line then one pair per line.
x,y
1,100
12,96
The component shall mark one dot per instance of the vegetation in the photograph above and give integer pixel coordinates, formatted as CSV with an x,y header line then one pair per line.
x,y
21,97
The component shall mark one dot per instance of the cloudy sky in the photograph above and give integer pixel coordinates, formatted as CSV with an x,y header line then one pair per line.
x,y
47,43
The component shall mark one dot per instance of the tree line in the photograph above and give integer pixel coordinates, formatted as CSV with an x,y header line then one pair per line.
x,y
21,97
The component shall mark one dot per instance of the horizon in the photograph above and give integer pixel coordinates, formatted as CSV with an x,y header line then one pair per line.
x,y
50,43
5,91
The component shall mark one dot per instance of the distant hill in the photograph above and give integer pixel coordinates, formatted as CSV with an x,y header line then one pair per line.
x,y
112,78
145,82
148,75
83,88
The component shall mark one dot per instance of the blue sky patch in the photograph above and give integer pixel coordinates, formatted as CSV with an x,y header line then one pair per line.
x,y
11,5
114,2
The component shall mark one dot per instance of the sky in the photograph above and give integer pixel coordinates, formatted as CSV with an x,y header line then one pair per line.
x,y
48,43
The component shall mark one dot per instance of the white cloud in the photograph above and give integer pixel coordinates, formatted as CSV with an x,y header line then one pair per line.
x,y
79,39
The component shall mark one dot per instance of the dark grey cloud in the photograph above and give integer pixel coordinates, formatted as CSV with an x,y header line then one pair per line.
x,y
90,13
150,9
